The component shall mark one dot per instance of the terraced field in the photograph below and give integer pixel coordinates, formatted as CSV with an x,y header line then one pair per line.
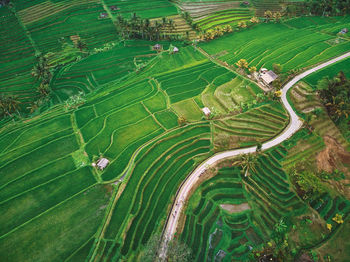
x,y
181,28
227,216
96,70
301,48
143,8
159,169
248,129
226,17
15,76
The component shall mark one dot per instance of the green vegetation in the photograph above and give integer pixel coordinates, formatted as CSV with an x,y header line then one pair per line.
x,y
279,44
127,81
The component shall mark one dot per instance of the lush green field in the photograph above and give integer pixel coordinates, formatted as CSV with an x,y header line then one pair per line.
x,y
277,43
17,58
158,171
330,72
210,227
144,8
230,16
142,111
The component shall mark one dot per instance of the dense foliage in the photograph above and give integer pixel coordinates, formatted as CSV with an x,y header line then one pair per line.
x,y
328,7
335,95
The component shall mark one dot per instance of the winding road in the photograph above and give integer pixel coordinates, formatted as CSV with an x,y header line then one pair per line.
x,y
185,188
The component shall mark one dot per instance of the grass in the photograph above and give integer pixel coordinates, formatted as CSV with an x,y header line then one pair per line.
x,y
188,109
276,43
75,221
174,155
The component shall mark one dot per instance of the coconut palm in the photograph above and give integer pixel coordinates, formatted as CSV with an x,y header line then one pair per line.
x,y
277,16
242,64
268,15
247,162
81,44
9,104
254,20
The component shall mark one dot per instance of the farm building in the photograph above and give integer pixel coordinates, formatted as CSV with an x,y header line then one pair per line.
x,y
114,8
206,111
344,31
267,76
175,50
103,15
102,163
157,47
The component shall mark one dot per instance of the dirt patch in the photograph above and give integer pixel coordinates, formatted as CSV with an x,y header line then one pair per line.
x,y
235,208
335,156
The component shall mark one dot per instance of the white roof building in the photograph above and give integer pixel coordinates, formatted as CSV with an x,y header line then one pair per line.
x,y
102,163
206,111
175,50
268,77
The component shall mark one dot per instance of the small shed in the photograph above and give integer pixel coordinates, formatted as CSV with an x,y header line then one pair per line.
x,y
102,163
175,50
268,77
206,111
344,31
103,15
114,8
157,47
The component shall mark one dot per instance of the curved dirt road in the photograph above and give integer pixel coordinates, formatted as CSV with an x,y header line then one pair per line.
x,y
294,125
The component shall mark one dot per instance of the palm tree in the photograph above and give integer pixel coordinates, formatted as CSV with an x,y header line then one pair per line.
x,y
242,64
81,44
248,162
268,15
9,104
252,69
254,20
242,24
277,16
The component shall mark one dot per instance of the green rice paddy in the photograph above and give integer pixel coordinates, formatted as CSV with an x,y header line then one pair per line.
x,y
57,206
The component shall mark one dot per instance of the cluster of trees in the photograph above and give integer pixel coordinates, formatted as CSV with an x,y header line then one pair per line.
x,y
9,104
327,7
335,95
221,30
216,32
269,16
138,28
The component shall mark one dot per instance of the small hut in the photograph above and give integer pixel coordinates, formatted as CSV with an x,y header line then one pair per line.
x,y
344,31
103,15
157,47
206,111
102,163
175,50
114,8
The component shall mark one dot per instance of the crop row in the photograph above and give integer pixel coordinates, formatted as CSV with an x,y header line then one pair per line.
x,y
209,229
277,43
162,165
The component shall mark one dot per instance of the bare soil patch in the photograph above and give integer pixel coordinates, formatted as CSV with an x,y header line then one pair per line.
x,y
235,208
335,156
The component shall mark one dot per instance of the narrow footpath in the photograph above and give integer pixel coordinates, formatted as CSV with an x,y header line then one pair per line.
x,y
183,192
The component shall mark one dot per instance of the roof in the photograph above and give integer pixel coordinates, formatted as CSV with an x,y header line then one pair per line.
x,y
102,163
269,77
344,30
176,49
206,111
157,46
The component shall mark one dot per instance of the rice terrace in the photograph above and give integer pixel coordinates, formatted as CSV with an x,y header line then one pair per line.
x,y
174,130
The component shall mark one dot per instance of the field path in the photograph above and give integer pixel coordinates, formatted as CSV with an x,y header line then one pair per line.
x,y
186,186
